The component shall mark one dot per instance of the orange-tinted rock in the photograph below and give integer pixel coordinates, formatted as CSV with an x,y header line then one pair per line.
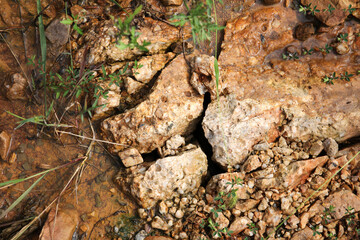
x,y
341,201
66,222
4,144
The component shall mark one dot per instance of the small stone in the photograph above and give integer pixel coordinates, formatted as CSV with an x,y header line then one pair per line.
x,y
272,217
183,235
142,213
303,155
158,223
12,158
16,90
239,225
293,222
163,209
304,219
175,142
285,203
316,148
184,201
342,48
172,210
263,205
304,31
261,146
179,214
141,235
172,3
131,157
4,144
252,163
331,147
282,142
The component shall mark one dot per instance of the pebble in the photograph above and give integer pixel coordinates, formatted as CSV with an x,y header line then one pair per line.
x,y
261,146
183,235
316,148
163,209
158,223
263,205
179,214
331,147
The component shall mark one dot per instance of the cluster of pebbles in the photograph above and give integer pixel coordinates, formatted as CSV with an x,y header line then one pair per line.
x,y
258,211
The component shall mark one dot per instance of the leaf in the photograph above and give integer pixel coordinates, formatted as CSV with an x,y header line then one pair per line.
x,y
67,21
19,199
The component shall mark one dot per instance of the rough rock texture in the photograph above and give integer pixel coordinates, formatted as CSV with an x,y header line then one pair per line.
x,y
172,108
150,182
16,87
4,144
100,41
341,200
334,18
65,225
239,225
130,157
266,96
151,65
110,103
288,177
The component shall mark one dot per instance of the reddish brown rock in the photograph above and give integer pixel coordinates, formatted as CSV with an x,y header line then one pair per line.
x,y
239,225
341,201
304,31
4,144
306,233
172,108
64,227
130,157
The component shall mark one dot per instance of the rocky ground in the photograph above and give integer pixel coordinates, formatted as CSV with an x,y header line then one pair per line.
x,y
273,157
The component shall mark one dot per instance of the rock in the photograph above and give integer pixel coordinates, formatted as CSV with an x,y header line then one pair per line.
x,y
172,2
251,163
261,146
271,2
183,235
108,104
263,205
246,205
130,157
132,86
342,200
4,144
272,217
64,226
239,225
331,147
282,142
334,18
286,203
179,214
293,222
306,233
141,235
304,31
172,108
57,33
175,142
149,183
316,148
342,48
238,126
151,65
290,176
101,39
304,219
221,182
221,220
16,88
159,223
163,208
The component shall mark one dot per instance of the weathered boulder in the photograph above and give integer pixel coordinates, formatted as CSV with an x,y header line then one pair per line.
x,y
60,225
265,96
149,183
100,41
173,107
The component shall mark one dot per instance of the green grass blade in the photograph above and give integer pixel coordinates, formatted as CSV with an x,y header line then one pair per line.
x,y
19,199
42,48
217,77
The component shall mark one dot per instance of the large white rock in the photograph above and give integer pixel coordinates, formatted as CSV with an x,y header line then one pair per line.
x,y
149,183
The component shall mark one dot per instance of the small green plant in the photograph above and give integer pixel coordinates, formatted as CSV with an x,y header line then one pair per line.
x,y
74,21
350,9
329,79
137,66
315,230
129,32
346,76
307,52
290,56
330,9
252,228
343,37
327,214
307,8
327,49
200,20
332,236
350,211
